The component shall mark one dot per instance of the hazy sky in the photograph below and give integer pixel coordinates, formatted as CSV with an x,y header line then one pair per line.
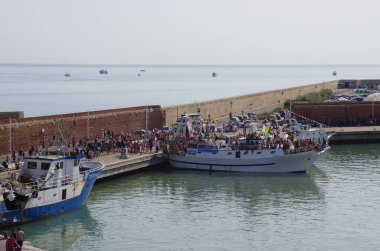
x,y
190,32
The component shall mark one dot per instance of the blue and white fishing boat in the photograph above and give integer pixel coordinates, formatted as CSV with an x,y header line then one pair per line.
x,y
46,186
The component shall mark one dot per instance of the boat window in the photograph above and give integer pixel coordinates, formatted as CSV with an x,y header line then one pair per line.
x,y
32,165
45,166
61,165
64,194
258,152
272,152
237,154
76,162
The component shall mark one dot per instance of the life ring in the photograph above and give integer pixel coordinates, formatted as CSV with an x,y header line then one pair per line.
x,y
13,176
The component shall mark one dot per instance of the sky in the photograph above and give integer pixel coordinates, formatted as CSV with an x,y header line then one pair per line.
x,y
199,32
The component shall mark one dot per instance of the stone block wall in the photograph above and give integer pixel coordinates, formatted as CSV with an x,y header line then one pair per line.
x,y
48,130
340,113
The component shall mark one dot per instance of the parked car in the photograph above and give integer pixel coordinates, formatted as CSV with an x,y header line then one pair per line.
x,y
142,133
235,119
230,128
251,114
166,129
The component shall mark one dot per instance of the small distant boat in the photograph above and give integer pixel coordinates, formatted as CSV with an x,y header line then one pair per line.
x,y
103,71
142,70
214,74
334,73
68,75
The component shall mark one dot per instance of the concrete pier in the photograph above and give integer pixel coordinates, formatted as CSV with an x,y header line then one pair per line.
x,y
115,166
354,135
27,246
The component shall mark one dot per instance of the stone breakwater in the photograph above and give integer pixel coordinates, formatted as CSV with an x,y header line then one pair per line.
x,y
258,102
49,130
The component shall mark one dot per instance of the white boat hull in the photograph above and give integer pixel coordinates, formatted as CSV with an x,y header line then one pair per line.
x,y
264,161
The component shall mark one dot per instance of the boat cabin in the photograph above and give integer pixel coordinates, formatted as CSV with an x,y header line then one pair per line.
x,y
49,169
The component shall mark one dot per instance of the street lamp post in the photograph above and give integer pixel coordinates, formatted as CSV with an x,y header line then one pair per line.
x,y
146,118
10,137
88,124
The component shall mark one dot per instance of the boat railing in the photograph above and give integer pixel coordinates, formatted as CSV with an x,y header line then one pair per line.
x,y
287,150
43,183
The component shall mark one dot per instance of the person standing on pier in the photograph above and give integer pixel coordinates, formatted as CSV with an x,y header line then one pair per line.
x,y
11,244
20,237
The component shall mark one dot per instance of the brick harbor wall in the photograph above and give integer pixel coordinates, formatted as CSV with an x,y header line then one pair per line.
x,y
48,130
258,102
342,113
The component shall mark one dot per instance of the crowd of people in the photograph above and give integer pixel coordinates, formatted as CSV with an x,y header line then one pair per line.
x,y
123,143
269,136
108,142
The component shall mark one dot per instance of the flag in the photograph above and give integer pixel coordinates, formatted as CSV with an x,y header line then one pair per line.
x,y
266,130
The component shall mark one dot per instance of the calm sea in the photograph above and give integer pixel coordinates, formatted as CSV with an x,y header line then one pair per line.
x,y
334,206
43,89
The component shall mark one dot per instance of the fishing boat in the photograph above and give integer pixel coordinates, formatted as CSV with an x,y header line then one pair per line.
x,y
205,157
67,75
305,131
46,186
103,71
255,154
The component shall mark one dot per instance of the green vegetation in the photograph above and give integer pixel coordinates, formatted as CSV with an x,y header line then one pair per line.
x,y
278,109
320,96
266,114
263,114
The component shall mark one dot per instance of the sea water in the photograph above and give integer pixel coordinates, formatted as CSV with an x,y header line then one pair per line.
x,y
44,90
334,206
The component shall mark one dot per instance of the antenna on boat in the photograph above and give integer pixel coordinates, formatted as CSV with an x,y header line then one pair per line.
x,y
64,140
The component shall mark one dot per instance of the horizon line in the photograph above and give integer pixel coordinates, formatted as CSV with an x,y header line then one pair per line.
x,y
106,64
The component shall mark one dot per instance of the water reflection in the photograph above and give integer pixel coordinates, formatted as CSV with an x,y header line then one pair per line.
x,y
61,232
200,191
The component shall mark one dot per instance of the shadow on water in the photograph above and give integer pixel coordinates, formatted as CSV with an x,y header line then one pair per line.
x,y
62,231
